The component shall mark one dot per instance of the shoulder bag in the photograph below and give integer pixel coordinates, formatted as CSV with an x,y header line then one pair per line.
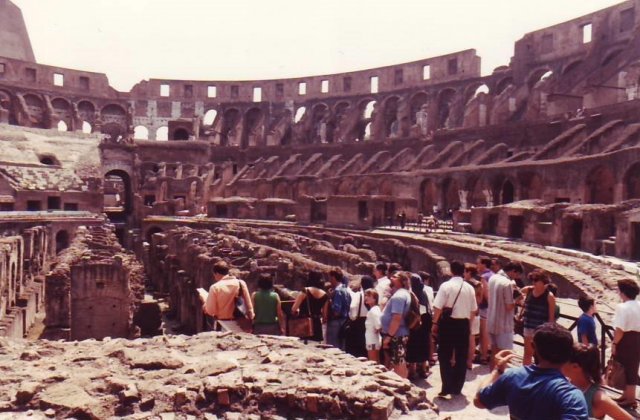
x,y
413,319
240,311
447,312
301,326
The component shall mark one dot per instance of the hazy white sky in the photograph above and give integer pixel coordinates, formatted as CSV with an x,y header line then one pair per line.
x,y
132,40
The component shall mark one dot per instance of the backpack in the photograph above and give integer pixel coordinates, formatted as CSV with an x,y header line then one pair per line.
x,y
413,318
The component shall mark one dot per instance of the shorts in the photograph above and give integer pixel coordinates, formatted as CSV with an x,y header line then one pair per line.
x,y
372,347
483,313
502,341
475,326
397,350
528,332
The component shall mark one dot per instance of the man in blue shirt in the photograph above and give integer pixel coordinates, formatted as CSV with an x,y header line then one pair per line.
x,y
338,309
586,324
537,391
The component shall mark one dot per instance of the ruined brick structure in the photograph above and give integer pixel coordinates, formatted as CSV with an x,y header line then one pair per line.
x,y
97,287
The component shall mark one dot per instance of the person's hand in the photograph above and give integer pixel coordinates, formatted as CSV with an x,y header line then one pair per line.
x,y
386,342
295,312
613,349
503,358
434,329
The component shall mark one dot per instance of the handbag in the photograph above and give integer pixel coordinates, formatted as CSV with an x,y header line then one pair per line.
x,y
240,309
614,374
448,311
413,319
240,312
301,326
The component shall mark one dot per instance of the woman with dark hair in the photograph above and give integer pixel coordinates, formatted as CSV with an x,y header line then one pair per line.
x,y
419,345
267,307
626,339
583,371
539,308
318,304
367,282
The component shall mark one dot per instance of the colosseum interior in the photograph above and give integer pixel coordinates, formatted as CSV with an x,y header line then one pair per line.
x,y
108,230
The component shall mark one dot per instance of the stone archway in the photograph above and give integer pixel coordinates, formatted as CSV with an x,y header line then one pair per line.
x,y
600,186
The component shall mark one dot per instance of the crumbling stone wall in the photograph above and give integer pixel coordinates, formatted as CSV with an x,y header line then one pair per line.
x,y
23,257
208,375
94,289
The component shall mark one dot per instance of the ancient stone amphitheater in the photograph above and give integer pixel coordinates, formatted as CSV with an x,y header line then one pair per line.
x,y
114,206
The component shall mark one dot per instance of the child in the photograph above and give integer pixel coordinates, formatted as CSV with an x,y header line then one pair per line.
x,y
373,325
586,323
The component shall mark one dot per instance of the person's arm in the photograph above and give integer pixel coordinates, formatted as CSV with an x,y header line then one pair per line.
x,y
295,309
211,305
280,313
617,336
507,294
247,299
492,390
325,312
605,406
394,325
552,307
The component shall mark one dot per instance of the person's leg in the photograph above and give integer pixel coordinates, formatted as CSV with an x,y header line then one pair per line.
x,y
445,353
398,356
527,359
333,328
374,355
484,339
461,349
472,350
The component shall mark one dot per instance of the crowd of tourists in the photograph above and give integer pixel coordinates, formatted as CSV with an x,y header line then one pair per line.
x,y
394,317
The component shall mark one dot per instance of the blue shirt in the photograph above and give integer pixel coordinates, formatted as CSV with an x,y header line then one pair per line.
x,y
399,303
340,302
535,393
587,325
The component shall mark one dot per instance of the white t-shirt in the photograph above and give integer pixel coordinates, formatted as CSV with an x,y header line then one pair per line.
x,y
373,326
357,309
466,302
428,290
383,287
627,316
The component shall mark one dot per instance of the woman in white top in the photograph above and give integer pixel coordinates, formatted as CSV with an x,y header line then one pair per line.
x,y
626,339
373,325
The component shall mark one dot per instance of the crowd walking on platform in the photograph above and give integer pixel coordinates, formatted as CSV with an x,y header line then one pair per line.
x,y
395,317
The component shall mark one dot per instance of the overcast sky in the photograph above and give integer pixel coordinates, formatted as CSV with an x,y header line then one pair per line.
x,y
132,40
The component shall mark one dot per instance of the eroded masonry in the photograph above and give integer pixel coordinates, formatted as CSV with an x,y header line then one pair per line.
x,y
107,195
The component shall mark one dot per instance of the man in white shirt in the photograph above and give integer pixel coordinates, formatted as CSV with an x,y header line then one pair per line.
x,y
454,308
501,308
383,284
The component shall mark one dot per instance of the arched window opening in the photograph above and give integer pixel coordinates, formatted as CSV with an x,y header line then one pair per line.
x,y
181,134
62,126
368,110
162,133
86,127
299,114
210,117
141,133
